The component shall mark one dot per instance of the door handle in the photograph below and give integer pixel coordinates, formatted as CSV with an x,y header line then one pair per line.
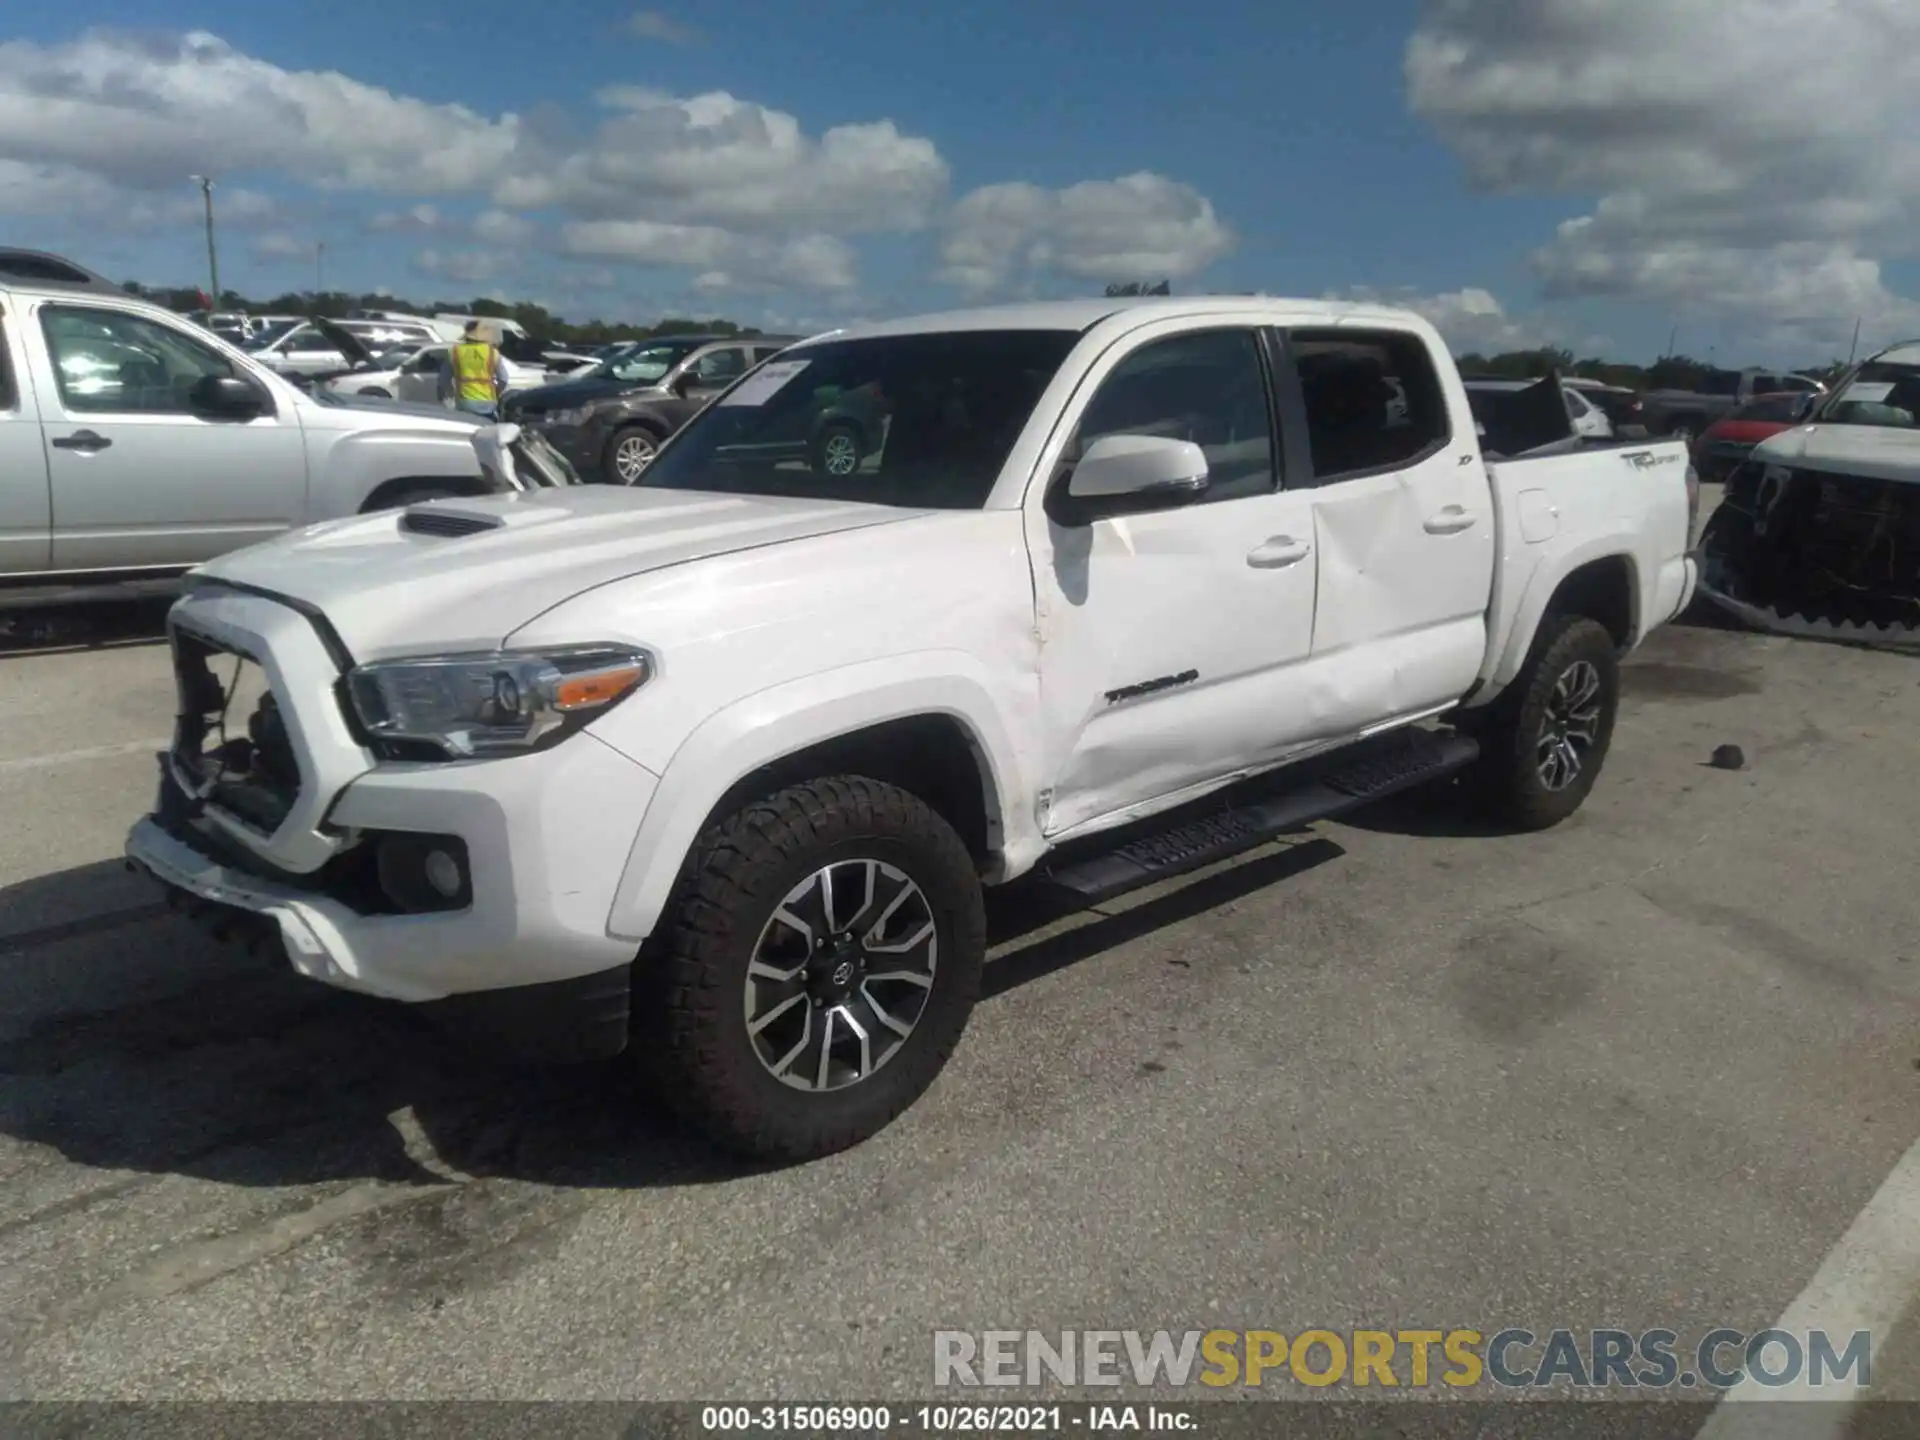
x,y
1450,521
87,440
1277,553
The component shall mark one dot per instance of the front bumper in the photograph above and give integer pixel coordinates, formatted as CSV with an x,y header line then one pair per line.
x,y
546,836
583,445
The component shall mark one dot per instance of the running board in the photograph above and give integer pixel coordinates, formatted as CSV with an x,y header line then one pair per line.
x,y
1356,775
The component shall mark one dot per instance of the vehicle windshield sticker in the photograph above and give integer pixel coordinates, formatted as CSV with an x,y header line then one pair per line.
x,y
766,382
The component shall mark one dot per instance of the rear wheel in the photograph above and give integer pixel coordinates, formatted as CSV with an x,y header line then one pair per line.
x,y
837,450
817,970
1543,742
377,392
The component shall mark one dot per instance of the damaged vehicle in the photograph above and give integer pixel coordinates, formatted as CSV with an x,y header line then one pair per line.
x,y
1818,534
713,769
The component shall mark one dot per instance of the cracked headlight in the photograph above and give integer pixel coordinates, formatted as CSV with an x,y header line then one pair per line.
x,y
504,703
574,417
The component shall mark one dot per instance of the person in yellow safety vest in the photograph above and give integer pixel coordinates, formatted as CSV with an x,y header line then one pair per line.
x,y
478,371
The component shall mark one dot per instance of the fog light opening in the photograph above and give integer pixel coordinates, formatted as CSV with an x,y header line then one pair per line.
x,y
423,872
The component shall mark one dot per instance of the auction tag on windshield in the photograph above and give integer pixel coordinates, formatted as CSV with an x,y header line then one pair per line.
x,y
766,382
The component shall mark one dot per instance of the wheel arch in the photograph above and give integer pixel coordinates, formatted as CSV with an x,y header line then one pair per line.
x,y
935,734
387,493
1600,580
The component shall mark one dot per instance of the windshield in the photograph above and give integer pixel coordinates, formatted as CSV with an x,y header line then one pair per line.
x,y
1881,394
642,364
913,420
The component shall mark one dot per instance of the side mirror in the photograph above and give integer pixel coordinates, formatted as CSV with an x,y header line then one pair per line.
x,y
227,397
1121,473
683,382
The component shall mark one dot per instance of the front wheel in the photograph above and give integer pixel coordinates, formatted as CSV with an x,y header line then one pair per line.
x,y
629,454
817,969
1543,742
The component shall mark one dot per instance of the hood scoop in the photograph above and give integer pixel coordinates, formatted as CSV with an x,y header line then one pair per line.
x,y
447,525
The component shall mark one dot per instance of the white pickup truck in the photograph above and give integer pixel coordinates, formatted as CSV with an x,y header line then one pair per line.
x,y
714,768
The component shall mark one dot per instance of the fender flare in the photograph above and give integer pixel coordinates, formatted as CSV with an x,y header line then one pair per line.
x,y
1544,582
771,724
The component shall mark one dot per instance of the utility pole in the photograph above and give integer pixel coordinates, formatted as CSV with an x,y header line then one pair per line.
x,y
319,269
213,258
1854,348
1672,335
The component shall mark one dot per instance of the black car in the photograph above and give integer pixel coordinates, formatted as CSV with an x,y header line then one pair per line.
x,y
610,419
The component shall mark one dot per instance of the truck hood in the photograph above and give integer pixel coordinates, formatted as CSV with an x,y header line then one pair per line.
x,y
389,588
1872,452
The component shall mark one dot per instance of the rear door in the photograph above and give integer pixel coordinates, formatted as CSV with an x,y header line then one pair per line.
x,y
139,480
709,372
26,508
1402,521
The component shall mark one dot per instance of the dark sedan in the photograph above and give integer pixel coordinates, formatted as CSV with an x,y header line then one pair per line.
x,y
611,419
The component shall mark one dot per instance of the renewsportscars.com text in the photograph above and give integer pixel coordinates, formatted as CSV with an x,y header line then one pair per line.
x,y
1511,1359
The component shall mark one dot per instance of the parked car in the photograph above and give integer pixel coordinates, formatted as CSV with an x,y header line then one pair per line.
x,y
1589,421
612,419
312,348
415,375
1727,442
1621,405
1684,414
135,444
714,767
1818,533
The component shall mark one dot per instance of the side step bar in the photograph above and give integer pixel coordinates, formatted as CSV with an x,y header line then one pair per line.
x,y
1357,775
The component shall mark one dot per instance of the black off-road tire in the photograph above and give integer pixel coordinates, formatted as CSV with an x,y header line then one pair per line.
x,y
1506,779
690,1024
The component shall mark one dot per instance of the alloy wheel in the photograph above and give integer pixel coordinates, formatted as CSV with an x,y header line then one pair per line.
x,y
840,455
840,975
1571,726
631,457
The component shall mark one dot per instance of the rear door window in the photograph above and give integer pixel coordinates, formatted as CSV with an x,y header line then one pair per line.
x,y
1373,400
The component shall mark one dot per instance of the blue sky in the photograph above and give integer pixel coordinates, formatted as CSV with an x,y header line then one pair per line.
x,y
1427,152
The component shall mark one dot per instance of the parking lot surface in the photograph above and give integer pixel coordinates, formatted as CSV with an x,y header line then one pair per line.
x,y
1643,1070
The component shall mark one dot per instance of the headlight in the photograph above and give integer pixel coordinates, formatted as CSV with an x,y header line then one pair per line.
x,y
567,417
504,703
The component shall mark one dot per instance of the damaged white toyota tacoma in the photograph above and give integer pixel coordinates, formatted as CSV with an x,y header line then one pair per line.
x,y
713,769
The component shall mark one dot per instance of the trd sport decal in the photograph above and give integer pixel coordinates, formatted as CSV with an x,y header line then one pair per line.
x,y
1149,687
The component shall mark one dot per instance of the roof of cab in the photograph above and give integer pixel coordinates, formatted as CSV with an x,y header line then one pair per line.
x,y
1076,316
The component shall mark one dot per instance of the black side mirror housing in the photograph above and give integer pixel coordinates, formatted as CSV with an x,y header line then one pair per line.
x,y
683,382
227,397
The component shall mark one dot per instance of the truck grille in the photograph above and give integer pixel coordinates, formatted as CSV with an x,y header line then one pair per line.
x,y
230,738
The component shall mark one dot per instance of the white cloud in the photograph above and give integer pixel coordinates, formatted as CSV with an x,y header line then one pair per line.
x,y
279,245
1753,163
1472,321
417,219
740,195
468,267
501,227
724,259
717,160
1139,227
654,25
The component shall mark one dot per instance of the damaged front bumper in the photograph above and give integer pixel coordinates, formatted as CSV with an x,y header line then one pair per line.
x,y
1818,555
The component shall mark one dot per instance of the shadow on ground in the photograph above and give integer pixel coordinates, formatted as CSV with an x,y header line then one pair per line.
x,y
249,1075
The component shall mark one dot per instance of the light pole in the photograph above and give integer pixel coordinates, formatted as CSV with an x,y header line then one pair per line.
x,y
319,269
213,258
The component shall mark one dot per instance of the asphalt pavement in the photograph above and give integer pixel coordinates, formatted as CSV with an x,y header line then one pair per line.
x,y
1644,1070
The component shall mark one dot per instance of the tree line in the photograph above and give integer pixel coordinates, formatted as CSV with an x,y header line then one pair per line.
x,y
536,320
1670,372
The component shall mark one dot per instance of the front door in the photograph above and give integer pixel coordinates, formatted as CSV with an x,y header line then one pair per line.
x,y
138,479
1170,639
707,373
1402,520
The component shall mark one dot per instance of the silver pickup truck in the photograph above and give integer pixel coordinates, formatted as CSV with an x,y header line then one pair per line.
x,y
135,445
